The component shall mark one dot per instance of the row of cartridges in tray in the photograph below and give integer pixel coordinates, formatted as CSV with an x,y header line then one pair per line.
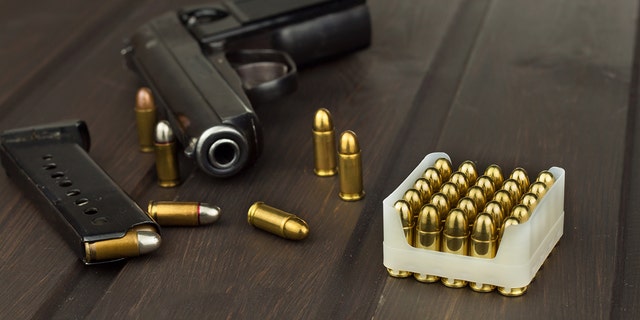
x,y
466,213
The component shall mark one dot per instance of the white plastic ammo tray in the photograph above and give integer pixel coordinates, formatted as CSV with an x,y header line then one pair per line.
x,y
521,252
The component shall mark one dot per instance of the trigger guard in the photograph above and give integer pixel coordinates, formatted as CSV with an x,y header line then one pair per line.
x,y
266,74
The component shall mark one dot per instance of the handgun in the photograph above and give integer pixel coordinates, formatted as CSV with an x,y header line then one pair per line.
x,y
205,80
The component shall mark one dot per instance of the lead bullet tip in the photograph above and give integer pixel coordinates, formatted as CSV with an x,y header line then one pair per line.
x,y
322,121
208,214
148,241
164,133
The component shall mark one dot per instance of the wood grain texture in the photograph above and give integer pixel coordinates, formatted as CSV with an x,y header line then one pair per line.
x,y
517,83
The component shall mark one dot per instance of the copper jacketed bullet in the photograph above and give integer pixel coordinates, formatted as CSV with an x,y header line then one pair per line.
x,y
546,177
444,167
276,221
455,237
427,236
486,184
483,244
510,292
425,189
538,188
350,167
145,110
413,198
441,202
495,173
520,175
137,241
450,190
468,168
504,199
495,210
166,158
521,212
530,200
433,176
512,186
478,196
324,144
468,206
173,213
403,210
461,181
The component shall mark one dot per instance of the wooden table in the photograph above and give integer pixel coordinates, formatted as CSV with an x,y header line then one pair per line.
x,y
517,83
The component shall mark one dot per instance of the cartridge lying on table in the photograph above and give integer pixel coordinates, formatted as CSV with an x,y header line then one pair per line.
x,y
96,217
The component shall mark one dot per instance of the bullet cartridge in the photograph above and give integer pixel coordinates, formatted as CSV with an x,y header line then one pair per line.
x,y
486,184
424,188
511,292
433,176
173,213
444,167
521,212
324,144
427,236
530,200
350,167
276,221
450,190
145,110
546,177
441,202
538,188
166,158
137,241
483,244
404,211
455,236
520,175
512,186
412,197
461,181
476,194
468,206
504,199
495,210
468,168
495,173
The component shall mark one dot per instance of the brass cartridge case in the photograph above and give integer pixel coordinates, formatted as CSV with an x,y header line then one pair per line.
x,y
510,292
461,181
546,177
483,244
350,167
413,198
495,173
455,240
520,175
424,188
166,158
441,202
478,196
468,168
173,213
444,167
486,184
433,176
145,111
468,206
538,188
512,186
276,221
324,145
427,236
404,211
137,241
450,190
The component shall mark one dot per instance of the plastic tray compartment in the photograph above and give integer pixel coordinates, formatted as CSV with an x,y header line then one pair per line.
x,y
520,254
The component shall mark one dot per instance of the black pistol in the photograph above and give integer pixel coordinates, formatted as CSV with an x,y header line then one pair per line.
x,y
205,88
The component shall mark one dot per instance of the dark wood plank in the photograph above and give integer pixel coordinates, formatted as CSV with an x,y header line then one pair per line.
x,y
543,87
